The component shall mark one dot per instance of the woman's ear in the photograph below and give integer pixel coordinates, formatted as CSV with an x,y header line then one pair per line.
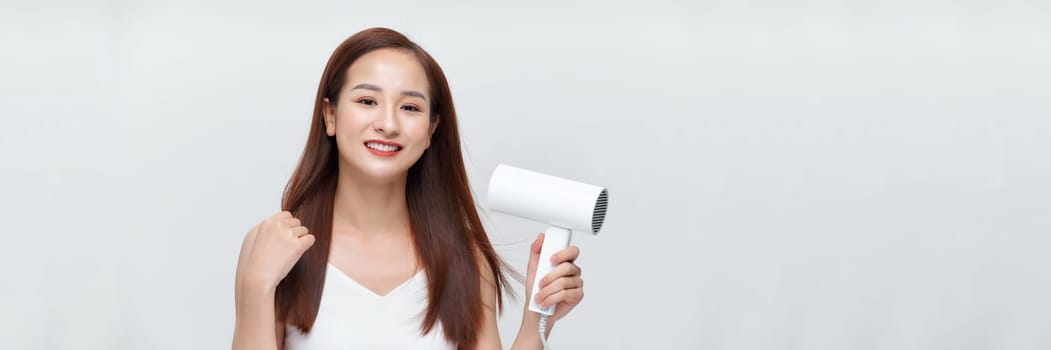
x,y
329,113
434,125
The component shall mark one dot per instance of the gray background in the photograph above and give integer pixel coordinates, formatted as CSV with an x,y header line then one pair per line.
x,y
783,175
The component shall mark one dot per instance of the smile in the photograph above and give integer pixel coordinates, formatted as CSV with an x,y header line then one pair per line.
x,y
382,148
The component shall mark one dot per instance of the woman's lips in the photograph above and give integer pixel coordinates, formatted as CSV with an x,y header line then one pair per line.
x,y
380,148
382,153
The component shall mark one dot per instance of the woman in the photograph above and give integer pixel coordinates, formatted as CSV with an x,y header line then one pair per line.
x,y
379,215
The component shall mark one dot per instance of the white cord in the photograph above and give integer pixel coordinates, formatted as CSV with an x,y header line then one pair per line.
x,y
543,329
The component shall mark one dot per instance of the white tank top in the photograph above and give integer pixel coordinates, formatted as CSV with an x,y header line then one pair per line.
x,y
354,317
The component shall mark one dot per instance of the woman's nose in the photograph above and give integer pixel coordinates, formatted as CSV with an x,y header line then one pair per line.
x,y
387,123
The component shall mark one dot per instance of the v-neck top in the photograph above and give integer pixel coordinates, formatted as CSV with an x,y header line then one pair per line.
x,y
352,316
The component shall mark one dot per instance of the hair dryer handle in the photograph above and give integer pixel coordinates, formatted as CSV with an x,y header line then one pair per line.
x,y
555,239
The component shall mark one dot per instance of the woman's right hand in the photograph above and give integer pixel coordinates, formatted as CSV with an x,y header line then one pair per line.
x,y
269,251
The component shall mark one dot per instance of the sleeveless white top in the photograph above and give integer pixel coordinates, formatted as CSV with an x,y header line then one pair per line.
x,y
354,317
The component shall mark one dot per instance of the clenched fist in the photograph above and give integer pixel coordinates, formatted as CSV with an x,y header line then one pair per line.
x,y
269,251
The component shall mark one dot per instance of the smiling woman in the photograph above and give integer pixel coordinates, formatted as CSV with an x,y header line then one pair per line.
x,y
385,104
379,244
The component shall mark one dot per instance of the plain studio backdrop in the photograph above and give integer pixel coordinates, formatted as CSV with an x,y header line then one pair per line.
x,y
782,175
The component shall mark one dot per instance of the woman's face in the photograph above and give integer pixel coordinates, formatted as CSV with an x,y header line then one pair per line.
x,y
382,120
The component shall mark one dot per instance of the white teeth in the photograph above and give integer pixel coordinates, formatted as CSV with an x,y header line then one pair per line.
x,y
381,147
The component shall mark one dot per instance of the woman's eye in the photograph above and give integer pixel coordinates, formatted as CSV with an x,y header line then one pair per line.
x,y
367,102
410,108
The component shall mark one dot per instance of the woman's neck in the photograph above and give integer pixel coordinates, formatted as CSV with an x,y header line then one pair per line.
x,y
370,208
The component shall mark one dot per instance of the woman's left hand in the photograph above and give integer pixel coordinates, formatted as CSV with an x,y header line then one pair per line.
x,y
563,286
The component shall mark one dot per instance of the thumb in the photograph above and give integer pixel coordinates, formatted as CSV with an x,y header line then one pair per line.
x,y
534,251
537,244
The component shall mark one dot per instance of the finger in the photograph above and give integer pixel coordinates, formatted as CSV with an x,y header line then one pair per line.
x,y
283,214
566,269
571,253
534,254
291,222
298,231
569,296
559,285
537,244
574,296
306,242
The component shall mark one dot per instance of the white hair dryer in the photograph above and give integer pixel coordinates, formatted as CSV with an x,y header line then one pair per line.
x,y
566,205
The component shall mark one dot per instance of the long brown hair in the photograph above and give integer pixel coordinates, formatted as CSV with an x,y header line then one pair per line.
x,y
446,228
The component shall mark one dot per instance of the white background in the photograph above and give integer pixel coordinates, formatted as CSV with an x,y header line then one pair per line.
x,y
783,175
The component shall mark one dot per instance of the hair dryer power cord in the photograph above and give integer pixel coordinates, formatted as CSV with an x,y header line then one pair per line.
x,y
543,329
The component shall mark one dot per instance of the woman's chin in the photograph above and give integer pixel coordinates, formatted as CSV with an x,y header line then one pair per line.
x,y
382,173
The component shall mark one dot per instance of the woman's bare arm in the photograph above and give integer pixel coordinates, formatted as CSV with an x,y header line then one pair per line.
x,y
489,334
256,326
254,306
269,251
562,287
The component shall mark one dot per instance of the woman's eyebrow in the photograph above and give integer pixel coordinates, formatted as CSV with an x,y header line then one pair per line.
x,y
414,93
367,86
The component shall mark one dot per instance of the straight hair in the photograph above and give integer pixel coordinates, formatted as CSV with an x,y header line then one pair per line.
x,y
450,242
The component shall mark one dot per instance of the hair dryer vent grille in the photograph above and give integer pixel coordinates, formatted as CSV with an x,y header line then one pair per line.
x,y
600,211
